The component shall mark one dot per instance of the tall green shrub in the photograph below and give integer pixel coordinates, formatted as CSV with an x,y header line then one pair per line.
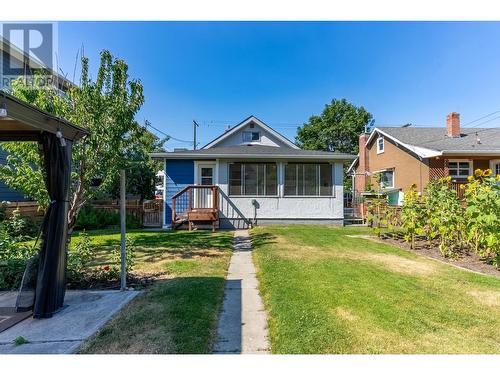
x,y
482,214
412,215
443,216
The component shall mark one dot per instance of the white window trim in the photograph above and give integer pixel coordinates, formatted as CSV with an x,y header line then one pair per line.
x,y
379,150
251,141
393,170
460,161
213,164
492,165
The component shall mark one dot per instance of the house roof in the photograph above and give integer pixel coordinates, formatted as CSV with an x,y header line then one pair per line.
x,y
248,120
426,140
252,152
6,47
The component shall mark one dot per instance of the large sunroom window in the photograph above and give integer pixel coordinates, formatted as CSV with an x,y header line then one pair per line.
x,y
308,179
253,179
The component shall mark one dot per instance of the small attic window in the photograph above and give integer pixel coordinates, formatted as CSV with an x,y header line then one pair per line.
x,y
251,137
380,144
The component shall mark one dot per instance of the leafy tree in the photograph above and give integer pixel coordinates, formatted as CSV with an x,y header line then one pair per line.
x,y
336,129
106,107
141,169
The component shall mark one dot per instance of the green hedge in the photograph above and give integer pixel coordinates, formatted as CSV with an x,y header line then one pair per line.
x,y
11,273
93,218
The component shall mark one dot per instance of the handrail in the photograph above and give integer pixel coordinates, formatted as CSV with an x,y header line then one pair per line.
x,y
189,206
180,192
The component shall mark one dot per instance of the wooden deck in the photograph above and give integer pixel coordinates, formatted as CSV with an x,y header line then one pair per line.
x,y
196,204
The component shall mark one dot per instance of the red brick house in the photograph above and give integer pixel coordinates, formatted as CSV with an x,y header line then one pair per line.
x,y
402,156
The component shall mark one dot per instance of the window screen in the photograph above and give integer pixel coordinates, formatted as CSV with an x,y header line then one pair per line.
x,y
253,179
308,179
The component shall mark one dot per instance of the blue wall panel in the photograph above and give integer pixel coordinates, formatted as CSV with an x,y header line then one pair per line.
x,y
6,193
178,175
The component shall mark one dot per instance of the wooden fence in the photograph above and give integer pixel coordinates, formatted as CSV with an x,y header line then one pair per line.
x,y
134,207
27,209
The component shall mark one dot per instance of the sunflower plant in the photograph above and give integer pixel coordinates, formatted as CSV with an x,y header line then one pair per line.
x,y
412,215
482,214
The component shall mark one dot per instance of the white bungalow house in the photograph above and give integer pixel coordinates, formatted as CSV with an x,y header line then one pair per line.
x,y
252,174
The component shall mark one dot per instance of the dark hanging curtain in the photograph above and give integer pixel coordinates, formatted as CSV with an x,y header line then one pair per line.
x,y
51,277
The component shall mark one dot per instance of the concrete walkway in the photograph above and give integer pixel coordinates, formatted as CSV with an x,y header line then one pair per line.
x,y
242,326
84,313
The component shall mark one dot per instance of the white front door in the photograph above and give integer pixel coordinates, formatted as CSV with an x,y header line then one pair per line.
x,y
205,176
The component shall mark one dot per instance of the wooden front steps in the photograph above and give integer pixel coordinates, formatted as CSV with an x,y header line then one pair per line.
x,y
196,204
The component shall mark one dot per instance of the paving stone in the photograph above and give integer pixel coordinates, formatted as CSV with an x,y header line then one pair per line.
x,y
84,313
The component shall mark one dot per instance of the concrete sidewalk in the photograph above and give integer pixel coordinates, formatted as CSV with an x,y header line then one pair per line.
x,y
84,313
242,326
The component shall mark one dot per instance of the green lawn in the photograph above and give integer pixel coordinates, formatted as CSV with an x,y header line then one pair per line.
x,y
326,292
178,314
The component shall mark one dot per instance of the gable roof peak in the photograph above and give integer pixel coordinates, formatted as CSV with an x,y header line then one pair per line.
x,y
248,120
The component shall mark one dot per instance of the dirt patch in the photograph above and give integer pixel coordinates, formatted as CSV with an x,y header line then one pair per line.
x,y
469,261
346,314
293,251
394,263
487,297
400,264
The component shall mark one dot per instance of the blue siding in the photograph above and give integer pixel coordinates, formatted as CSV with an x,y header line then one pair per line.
x,y
178,174
6,193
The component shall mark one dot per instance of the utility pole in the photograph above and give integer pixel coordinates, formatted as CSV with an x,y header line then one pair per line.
x,y
123,215
195,125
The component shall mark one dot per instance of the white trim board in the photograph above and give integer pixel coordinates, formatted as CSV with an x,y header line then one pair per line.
x,y
245,122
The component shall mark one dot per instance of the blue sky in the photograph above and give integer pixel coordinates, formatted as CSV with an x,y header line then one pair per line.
x,y
283,72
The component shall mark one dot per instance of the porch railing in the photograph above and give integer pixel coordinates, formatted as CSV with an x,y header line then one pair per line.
x,y
195,203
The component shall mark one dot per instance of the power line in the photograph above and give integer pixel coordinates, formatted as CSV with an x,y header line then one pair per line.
x,y
484,122
168,135
480,118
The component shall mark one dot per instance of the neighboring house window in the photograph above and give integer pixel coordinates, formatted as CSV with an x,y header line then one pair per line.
x,y
380,144
386,179
459,169
251,137
253,179
496,169
308,179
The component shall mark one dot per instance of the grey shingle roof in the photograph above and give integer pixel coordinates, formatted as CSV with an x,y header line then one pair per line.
x,y
255,151
436,139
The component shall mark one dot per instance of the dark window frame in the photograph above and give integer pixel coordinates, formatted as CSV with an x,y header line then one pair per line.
x,y
300,174
258,172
